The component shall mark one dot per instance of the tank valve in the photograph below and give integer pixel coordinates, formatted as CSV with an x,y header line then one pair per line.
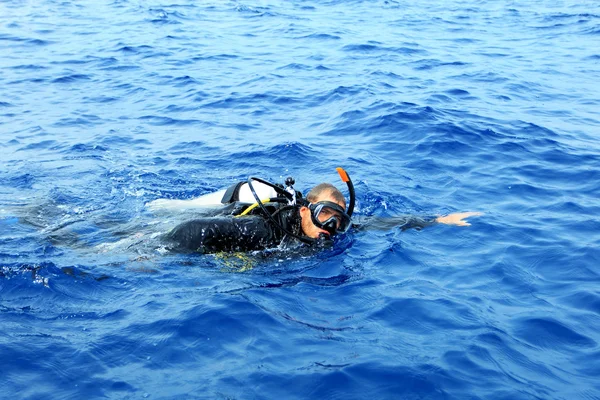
x,y
289,187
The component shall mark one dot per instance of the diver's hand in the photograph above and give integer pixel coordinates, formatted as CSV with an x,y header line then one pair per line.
x,y
457,218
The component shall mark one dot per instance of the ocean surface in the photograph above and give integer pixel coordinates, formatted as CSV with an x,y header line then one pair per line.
x,y
432,107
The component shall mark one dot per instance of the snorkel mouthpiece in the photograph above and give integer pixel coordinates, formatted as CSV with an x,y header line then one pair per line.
x,y
324,241
323,236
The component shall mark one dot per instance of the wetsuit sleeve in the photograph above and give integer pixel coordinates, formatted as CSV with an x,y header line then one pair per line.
x,y
404,222
210,235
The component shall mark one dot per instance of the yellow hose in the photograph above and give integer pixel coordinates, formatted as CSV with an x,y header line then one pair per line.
x,y
252,207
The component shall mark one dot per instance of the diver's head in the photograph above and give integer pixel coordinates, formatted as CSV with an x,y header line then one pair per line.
x,y
325,213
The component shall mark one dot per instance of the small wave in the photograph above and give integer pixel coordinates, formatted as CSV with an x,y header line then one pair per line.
x,y
253,100
23,181
427,64
72,78
361,48
467,40
187,161
38,42
172,108
10,38
387,74
339,92
550,334
584,300
245,8
142,49
100,99
485,76
183,81
115,140
320,36
165,21
329,281
216,57
380,380
27,41
162,16
255,11
187,146
131,90
122,68
425,316
257,79
85,120
286,153
493,54
243,127
70,62
30,67
460,361
296,66
29,80
44,144
158,55
592,31
84,148
383,118
371,48
562,16
458,92
165,121
101,61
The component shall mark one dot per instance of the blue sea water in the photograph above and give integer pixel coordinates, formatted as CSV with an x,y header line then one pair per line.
x,y
433,107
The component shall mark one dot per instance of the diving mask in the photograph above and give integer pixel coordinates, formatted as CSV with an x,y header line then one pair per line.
x,y
329,216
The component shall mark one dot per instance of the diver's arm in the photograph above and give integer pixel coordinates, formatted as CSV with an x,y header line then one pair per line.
x,y
405,222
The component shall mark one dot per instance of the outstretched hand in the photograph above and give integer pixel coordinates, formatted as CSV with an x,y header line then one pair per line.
x,y
457,218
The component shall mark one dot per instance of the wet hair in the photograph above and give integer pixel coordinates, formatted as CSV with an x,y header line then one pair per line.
x,y
325,189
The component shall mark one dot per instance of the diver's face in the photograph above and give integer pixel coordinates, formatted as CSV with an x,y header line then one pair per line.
x,y
308,227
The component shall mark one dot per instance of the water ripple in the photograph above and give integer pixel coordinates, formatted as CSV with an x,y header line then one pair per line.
x,y
550,334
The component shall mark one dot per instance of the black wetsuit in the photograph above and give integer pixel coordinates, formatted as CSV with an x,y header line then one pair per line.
x,y
230,233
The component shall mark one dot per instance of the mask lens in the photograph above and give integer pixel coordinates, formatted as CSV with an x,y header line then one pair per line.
x,y
330,216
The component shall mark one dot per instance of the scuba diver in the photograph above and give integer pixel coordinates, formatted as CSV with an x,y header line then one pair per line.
x,y
282,218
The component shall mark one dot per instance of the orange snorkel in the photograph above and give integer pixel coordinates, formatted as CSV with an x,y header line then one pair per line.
x,y
346,178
